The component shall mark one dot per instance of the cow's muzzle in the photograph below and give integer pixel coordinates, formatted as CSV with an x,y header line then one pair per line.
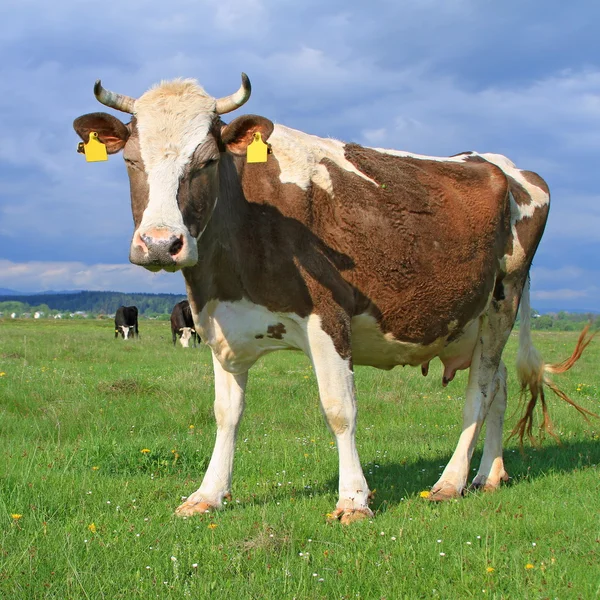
x,y
162,248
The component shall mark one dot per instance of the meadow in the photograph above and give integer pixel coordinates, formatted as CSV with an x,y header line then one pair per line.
x,y
101,439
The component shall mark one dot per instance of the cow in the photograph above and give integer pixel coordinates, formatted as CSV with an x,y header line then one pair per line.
x,y
353,255
182,324
126,322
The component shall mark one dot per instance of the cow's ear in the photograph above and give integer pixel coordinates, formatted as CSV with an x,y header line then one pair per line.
x,y
240,132
111,132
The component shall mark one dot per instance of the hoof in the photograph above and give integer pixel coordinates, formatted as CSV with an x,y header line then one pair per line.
x,y
486,484
190,508
350,515
444,493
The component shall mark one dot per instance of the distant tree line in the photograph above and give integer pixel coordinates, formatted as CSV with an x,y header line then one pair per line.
x,y
93,303
563,321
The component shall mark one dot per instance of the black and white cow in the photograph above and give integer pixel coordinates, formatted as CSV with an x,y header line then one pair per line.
x,y
350,254
126,322
182,324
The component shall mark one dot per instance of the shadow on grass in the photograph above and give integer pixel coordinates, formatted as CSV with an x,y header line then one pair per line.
x,y
395,482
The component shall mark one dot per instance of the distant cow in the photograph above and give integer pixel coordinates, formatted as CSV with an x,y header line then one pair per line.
x,y
126,322
182,324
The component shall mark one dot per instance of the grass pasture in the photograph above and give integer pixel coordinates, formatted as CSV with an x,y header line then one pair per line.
x,y
79,410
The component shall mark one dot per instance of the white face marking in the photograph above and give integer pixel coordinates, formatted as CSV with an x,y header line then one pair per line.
x,y
172,119
299,156
186,335
125,329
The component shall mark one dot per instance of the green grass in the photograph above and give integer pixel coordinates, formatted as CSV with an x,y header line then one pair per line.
x,y
77,407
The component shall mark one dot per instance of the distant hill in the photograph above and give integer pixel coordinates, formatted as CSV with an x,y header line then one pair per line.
x,y
98,302
7,292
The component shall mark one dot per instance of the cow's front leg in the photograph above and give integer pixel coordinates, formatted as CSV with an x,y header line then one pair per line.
x,y
335,379
229,406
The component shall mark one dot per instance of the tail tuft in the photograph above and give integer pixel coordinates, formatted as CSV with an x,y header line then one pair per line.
x,y
532,376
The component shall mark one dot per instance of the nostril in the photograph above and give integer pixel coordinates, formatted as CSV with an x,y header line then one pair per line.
x,y
176,246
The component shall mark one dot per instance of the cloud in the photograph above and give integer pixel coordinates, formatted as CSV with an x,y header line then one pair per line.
x,y
38,276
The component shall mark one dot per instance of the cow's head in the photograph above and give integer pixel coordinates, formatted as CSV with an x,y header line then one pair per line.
x,y
125,330
186,335
172,147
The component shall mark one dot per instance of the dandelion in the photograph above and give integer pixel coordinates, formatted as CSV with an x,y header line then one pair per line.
x,y
16,516
145,450
2,374
529,566
195,565
92,527
192,427
490,569
212,526
425,494
95,468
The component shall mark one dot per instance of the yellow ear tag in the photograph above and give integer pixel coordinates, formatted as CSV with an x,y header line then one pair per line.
x,y
257,150
95,150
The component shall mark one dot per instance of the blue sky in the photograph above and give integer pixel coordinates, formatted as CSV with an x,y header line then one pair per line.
x,y
520,78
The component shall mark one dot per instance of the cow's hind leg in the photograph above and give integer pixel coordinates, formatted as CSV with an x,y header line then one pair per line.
x,y
494,330
229,406
336,390
491,470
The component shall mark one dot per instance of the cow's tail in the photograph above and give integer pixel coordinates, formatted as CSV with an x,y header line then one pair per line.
x,y
533,375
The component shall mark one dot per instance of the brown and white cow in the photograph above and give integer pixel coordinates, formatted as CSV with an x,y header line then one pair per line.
x,y
353,255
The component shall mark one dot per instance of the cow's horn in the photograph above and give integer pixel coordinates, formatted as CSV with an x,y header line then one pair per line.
x,y
108,98
229,103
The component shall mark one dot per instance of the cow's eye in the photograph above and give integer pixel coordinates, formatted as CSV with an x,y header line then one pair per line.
x,y
131,163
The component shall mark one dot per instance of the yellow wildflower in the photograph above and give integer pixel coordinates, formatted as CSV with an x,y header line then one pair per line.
x,y
92,527
95,468
2,374
16,516
529,566
490,569
425,494
145,450
212,526
191,427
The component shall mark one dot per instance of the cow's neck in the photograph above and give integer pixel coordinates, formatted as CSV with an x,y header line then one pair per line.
x,y
221,260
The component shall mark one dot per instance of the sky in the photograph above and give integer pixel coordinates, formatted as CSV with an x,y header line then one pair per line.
x,y
438,77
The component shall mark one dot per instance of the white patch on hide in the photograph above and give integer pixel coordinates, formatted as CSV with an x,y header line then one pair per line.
x,y
299,156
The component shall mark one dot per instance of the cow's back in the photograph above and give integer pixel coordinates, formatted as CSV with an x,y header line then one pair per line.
x,y
417,242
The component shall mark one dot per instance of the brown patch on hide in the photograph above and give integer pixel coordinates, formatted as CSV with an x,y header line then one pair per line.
x,y
276,331
536,180
138,180
530,229
427,246
520,194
